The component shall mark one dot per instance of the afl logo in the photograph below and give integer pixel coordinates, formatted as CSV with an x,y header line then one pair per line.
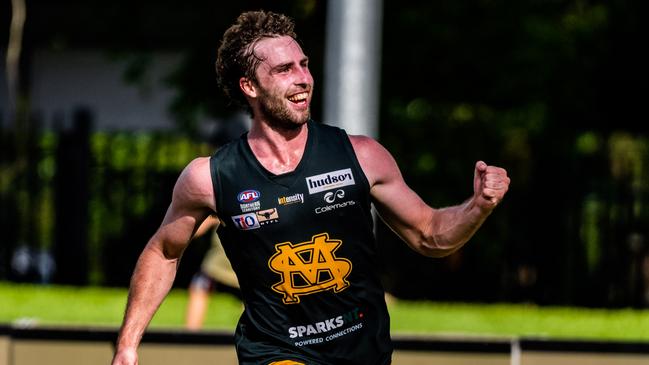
x,y
248,196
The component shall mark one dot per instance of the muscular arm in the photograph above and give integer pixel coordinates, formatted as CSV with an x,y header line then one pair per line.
x,y
211,222
429,231
192,202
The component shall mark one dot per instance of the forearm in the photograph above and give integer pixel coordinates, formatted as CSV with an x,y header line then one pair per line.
x,y
450,228
151,281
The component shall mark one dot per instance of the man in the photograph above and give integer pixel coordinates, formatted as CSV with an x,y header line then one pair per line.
x,y
293,198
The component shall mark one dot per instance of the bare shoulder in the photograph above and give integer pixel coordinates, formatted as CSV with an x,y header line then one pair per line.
x,y
367,149
197,173
363,144
195,183
375,160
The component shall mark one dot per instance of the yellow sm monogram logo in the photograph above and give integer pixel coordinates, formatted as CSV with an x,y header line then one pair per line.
x,y
309,267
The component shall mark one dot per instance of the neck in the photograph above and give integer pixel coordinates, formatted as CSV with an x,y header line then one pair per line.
x,y
278,149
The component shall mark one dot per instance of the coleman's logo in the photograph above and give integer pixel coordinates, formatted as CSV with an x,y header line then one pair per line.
x,y
309,267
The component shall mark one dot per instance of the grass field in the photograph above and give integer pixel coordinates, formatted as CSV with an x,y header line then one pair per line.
x,y
102,307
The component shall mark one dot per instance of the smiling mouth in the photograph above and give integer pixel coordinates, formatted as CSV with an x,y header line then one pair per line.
x,y
299,98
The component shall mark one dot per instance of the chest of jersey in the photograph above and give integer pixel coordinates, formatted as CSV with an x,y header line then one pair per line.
x,y
306,227
302,246
309,200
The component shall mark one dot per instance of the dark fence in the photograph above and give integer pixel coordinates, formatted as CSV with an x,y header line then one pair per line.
x,y
77,206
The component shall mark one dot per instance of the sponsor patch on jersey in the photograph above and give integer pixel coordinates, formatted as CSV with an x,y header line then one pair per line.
x,y
267,216
250,207
330,180
326,326
291,199
334,200
331,196
248,196
246,222
249,200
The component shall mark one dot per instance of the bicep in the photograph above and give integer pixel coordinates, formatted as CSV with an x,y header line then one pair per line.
x,y
398,205
176,230
191,204
211,222
401,208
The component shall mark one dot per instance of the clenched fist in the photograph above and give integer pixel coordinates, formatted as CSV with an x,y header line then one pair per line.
x,y
490,183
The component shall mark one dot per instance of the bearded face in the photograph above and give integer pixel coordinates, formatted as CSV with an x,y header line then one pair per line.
x,y
276,108
283,85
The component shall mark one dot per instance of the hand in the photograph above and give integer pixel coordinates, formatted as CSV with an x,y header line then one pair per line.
x,y
125,357
490,183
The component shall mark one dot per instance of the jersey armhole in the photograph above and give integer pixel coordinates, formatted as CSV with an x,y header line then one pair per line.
x,y
350,149
215,183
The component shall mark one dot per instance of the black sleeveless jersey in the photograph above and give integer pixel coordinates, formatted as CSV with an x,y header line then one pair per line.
x,y
302,246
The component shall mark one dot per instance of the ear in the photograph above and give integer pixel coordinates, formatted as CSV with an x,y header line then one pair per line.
x,y
248,87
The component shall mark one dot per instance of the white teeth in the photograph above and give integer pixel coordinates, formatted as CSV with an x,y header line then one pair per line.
x,y
299,97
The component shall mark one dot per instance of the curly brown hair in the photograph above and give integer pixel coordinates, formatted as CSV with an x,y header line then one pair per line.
x,y
236,57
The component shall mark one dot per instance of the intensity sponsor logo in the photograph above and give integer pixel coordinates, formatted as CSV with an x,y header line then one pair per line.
x,y
330,180
309,267
291,199
246,222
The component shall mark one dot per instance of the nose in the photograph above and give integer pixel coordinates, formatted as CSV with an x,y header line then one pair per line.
x,y
303,77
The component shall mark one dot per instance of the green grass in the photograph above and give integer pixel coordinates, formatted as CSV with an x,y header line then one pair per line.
x,y
507,320
76,306
101,307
